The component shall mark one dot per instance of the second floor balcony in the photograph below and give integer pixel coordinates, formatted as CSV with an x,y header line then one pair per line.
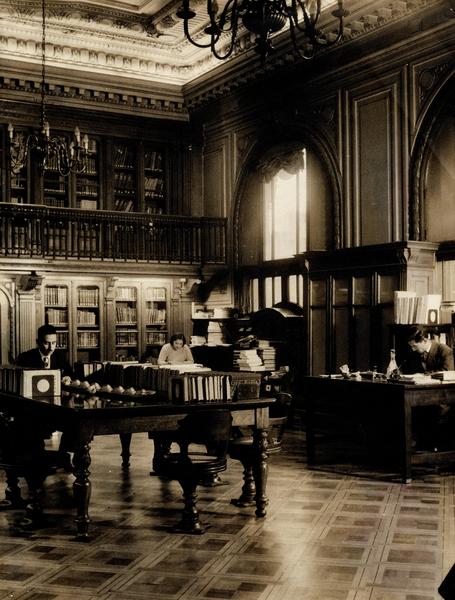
x,y
35,231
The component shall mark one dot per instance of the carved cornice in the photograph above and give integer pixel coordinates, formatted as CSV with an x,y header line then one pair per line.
x,y
93,40
169,106
365,20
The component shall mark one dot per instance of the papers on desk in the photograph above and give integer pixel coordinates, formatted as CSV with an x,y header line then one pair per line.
x,y
444,375
417,378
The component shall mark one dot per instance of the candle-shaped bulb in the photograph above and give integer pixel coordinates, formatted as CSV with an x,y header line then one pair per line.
x,y
77,135
11,131
47,129
72,149
85,142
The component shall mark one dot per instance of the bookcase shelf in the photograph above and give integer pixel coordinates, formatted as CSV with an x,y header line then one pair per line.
x,y
56,312
126,323
88,334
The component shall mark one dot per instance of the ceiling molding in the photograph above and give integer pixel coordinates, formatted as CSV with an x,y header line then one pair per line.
x,y
132,53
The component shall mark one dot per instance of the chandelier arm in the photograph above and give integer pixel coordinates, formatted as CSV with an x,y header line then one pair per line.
x,y
230,49
301,53
225,18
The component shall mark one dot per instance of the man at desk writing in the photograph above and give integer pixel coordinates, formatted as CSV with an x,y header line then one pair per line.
x,y
432,355
431,423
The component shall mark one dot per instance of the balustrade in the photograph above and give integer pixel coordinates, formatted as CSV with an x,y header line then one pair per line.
x,y
32,231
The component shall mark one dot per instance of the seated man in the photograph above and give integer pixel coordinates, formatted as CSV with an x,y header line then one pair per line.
x,y
31,445
45,355
429,355
432,355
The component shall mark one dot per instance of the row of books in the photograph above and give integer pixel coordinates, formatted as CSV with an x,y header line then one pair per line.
x,y
123,204
86,317
88,339
156,294
213,387
153,184
125,314
88,296
411,308
55,296
145,376
153,160
123,157
57,316
126,338
156,337
155,315
126,293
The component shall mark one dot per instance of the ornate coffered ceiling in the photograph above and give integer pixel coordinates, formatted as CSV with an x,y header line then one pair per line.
x,y
133,52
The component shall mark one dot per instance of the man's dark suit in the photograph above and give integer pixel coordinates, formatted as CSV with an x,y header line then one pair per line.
x,y
32,360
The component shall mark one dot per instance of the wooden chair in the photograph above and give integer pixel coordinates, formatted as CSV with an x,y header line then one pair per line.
x,y
203,439
241,447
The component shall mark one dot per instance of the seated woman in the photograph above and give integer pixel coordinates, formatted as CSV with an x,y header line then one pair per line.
x,y
175,352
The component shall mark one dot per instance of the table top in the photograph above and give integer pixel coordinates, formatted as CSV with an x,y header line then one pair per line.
x,y
109,404
402,383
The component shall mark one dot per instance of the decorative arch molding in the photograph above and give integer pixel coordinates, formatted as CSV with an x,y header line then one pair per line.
x,y
285,135
439,103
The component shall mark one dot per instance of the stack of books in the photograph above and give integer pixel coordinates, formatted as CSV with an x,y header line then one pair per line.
x,y
267,354
248,360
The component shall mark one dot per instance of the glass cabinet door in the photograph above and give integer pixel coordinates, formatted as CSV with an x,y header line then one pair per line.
x,y
126,323
124,167
88,323
56,313
156,320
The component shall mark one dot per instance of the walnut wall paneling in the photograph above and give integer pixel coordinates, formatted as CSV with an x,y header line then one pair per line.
x,y
361,315
341,321
376,168
250,222
318,326
320,228
215,182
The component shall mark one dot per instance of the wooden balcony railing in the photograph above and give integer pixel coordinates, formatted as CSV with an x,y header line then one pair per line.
x,y
32,231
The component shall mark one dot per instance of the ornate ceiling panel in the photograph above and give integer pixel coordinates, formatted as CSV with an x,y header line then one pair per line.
x,y
137,47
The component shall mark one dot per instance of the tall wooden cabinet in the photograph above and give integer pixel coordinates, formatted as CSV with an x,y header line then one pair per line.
x,y
120,174
93,324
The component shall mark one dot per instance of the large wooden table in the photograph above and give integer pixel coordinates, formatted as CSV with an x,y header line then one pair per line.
x,y
379,411
81,420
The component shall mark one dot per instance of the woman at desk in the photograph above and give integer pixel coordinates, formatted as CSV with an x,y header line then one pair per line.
x,y
176,351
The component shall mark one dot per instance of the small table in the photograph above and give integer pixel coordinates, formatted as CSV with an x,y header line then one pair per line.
x,y
82,419
378,406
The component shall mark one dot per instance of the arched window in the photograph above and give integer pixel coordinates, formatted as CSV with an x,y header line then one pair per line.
x,y
285,207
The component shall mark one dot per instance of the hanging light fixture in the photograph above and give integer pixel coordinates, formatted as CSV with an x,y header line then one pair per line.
x,y
264,18
50,152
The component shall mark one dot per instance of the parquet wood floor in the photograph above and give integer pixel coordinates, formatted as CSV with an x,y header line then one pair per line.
x,y
328,536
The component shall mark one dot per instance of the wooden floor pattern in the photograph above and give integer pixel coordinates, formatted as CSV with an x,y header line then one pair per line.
x,y
327,536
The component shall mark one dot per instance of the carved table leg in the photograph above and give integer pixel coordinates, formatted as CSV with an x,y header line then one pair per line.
x,y
248,495
260,470
125,440
82,488
190,518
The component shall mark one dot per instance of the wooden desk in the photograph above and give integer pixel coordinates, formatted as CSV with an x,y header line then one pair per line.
x,y
384,411
81,420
